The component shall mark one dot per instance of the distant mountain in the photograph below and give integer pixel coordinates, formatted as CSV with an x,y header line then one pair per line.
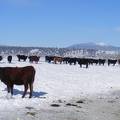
x,y
96,46
42,51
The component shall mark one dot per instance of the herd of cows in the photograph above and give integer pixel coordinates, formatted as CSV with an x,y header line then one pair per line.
x,y
65,60
23,58
11,76
80,61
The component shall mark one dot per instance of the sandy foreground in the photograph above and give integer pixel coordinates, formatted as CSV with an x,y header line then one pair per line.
x,y
80,108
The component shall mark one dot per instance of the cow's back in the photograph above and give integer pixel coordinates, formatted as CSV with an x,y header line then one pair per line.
x,y
19,75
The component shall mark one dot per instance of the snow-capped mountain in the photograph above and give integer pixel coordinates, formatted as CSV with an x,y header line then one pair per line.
x,y
96,46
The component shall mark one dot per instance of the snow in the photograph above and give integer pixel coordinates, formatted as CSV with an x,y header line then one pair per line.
x,y
34,51
60,81
101,44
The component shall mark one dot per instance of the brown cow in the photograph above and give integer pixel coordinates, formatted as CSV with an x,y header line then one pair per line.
x,y
58,59
34,59
119,61
18,76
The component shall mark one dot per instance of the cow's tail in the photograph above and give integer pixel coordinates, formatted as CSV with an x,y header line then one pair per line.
x,y
33,76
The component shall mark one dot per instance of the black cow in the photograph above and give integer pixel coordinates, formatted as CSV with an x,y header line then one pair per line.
x,y
49,59
113,62
22,57
66,59
93,61
83,61
1,58
11,76
72,61
101,61
9,58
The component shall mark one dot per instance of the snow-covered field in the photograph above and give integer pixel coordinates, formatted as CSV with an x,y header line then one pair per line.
x,y
61,83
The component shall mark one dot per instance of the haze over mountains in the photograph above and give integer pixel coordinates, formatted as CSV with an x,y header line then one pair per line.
x,y
96,46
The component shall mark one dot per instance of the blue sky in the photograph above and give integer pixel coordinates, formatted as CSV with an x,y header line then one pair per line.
x,y
59,23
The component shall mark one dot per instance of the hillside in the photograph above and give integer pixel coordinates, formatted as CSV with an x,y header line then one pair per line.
x,y
78,50
95,46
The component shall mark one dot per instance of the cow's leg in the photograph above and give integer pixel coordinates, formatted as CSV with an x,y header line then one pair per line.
x,y
86,65
55,62
25,90
81,65
31,90
8,88
11,89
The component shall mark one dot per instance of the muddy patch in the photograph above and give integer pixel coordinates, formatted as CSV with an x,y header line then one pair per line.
x,y
55,105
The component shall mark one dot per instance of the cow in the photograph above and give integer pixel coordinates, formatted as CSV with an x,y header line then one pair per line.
x,y
1,58
93,61
11,76
83,61
96,61
101,61
34,59
119,61
9,58
57,59
22,57
49,59
66,59
72,61
113,62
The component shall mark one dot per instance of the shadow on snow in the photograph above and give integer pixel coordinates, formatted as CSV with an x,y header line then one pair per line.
x,y
34,94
